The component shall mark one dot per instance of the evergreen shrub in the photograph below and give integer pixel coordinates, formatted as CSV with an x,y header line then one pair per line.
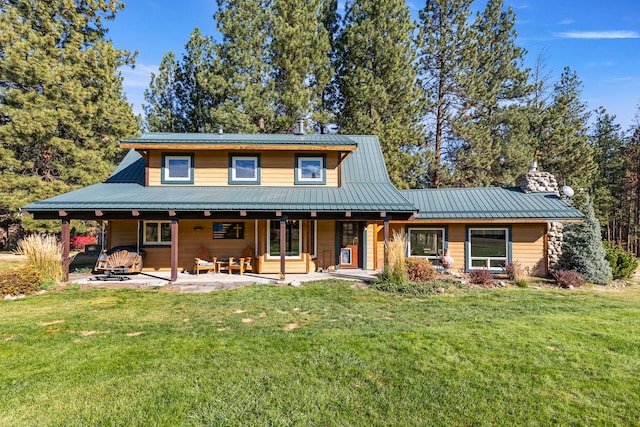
x,y
623,264
582,248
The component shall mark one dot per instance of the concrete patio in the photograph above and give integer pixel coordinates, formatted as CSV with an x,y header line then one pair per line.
x,y
207,282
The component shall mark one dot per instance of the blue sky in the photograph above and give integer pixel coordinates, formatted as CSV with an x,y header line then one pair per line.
x,y
598,39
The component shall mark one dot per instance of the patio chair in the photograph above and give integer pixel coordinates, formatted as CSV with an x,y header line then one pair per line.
x,y
204,261
244,263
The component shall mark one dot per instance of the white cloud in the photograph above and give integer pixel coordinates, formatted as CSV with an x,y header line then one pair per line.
x,y
138,77
566,22
599,35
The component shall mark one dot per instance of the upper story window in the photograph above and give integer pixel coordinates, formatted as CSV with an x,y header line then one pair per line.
x,y
244,169
177,168
311,170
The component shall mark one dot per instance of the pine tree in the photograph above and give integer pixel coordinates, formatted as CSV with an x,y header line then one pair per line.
x,y
377,81
582,248
444,58
162,109
607,141
61,101
197,89
301,60
564,138
248,104
493,128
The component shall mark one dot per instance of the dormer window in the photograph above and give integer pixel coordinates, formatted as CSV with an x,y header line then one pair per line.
x,y
177,168
244,169
310,170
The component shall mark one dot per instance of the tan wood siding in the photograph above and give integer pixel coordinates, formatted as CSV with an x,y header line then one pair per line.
x,y
457,236
211,168
527,248
326,244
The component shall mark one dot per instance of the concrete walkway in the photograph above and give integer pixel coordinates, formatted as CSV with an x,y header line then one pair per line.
x,y
207,282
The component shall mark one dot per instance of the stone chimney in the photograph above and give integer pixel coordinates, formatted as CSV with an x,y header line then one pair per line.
x,y
537,182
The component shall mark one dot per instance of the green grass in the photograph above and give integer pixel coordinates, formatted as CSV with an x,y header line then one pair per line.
x,y
322,354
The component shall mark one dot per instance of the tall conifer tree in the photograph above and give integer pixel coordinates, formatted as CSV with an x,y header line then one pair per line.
x,y
248,104
61,101
162,108
565,139
445,57
301,58
607,141
377,80
496,145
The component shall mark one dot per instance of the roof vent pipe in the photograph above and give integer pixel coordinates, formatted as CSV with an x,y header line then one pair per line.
x,y
220,130
534,166
299,128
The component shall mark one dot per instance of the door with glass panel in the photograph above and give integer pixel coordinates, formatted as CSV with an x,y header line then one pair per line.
x,y
349,244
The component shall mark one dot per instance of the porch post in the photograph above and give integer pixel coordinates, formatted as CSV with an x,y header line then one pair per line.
x,y
174,250
283,238
65,240
386,241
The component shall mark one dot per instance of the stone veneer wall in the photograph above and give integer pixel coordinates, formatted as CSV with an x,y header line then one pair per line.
x,y
554,244
544,182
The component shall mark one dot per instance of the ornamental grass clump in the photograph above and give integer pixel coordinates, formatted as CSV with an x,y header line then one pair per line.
x,y
44,254
394,275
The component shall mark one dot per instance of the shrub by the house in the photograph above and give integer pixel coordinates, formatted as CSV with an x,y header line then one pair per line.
x,y
481,277
582,248
623,264
569,278
420,270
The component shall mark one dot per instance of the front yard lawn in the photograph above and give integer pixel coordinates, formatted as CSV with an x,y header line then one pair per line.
x,y
325,354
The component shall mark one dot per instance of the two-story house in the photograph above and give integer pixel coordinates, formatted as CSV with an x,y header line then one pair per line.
x,y
301,202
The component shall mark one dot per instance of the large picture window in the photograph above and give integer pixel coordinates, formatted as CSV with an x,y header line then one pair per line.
x,y
156,233
426,243
293,239
177,169
310,170
488,248
244,169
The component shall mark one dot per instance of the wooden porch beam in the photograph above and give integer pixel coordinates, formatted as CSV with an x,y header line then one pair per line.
x,y
65,240
386,241
283,241
174,250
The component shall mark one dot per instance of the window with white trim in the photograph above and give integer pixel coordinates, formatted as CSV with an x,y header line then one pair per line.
x,y
426,243
310,170
293,239
244,169
177,169
156,233
488,248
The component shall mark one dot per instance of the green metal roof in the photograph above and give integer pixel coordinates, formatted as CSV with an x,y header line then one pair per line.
x,y
118,197
489,203
235,139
